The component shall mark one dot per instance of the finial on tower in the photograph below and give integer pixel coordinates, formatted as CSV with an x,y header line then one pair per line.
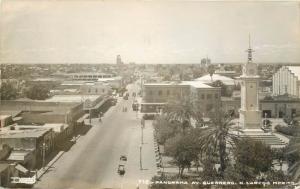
x,y
250,51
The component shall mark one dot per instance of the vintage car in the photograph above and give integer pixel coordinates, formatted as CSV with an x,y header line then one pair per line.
x,y
121,169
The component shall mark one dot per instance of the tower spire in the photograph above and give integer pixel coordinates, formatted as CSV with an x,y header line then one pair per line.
x,y
250,50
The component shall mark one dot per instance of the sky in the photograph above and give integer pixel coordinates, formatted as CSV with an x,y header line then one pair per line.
x,y
145,31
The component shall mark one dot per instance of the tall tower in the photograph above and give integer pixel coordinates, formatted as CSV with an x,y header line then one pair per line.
x,y
119,60
250,115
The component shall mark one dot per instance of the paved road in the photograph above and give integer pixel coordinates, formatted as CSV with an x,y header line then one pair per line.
x,y
92,162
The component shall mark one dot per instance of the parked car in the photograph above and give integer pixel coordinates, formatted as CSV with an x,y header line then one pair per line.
x,y
121,169
123,158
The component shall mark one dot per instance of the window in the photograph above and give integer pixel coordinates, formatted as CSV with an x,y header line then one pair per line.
x,y
159,93
96,90
208,96
216,96
103,90
202,96
168,92
89,91
209,107
150,92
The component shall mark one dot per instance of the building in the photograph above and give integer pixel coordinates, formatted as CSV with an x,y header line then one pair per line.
x,y
202,96
287,81
96,88
30,141
119,60
5,120
114,82
207,79
89,76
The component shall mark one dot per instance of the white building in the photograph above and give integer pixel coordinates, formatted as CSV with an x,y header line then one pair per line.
x,y
204,97
114,82
216,77
287,81
96,88
89,76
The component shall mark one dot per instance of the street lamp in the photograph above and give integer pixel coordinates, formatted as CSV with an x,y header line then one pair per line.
x,y
141,167
44,147
142,130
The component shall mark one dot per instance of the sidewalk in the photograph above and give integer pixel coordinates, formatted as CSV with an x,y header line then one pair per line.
x,y
43,170
148,164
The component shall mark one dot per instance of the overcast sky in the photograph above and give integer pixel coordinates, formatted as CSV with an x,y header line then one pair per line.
x,y
158,31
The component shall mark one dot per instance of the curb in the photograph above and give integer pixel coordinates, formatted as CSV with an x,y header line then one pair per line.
x,y
42,171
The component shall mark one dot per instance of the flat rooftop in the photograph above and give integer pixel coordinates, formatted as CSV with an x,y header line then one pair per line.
x,y
72,98
196,84
30,133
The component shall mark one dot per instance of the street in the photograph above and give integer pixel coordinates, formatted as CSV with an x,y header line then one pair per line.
x,y
93,161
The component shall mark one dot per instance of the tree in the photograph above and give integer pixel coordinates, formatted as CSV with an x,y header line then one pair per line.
x,y
165,129
8,91
183,150
211,71
224,88
219,132
181,111
239,173
253,154
5,152
293,155
37,92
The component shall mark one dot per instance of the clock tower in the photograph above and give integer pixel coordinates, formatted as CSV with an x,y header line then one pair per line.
x,y
250,115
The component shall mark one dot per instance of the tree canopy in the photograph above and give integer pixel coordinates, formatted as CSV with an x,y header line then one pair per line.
x,y
38,92
8,91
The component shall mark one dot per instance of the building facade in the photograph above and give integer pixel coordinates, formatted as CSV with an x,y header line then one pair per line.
x,y
97,88
203,97
89,76
286,81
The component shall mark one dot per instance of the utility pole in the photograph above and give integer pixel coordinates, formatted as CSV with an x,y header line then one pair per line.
x,y
44,146
141,167
90,115
142,128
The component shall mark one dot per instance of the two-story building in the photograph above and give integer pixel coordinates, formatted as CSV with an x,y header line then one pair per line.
x,y
157,95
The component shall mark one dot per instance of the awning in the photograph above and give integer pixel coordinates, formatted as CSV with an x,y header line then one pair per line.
x,y
17,155
17,118
21,168
81,120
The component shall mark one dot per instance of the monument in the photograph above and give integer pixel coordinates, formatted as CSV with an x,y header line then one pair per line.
x,y
250,115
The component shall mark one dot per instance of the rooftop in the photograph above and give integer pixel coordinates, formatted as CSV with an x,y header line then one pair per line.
x,y
89,73
31,133
110,79
196,84
216,77
4,116
71,98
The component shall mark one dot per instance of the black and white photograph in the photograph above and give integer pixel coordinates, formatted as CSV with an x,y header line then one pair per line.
x,y
149,94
